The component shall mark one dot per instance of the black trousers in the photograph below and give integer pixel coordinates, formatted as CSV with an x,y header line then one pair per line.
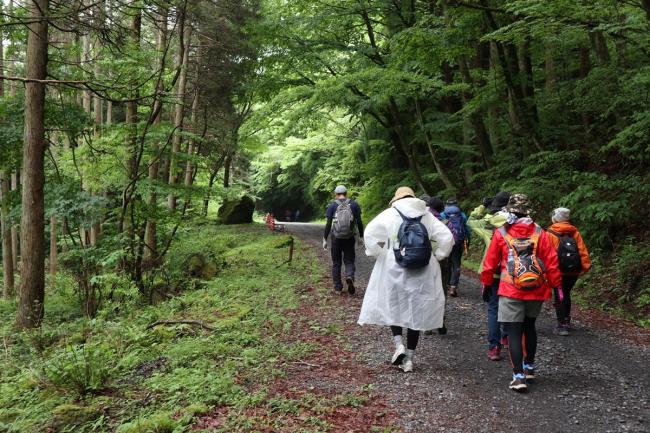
x,y
563,309
454,262
342,253
412,337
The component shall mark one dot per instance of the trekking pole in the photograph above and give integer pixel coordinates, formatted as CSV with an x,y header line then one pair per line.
x,y
465,244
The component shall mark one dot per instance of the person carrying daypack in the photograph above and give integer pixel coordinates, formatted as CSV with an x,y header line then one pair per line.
x,y
529,269
343,224
573,258
462,234
436,207
484,220
405,288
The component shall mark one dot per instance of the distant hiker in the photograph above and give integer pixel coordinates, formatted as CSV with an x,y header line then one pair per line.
x,y
573,258
484,220
462,233
405,288
297,217
529,269
436,206
287,215
343,223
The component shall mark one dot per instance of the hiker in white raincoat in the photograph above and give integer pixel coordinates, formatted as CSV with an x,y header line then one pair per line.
x,y
400,297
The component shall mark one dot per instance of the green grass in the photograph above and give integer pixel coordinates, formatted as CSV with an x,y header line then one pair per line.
x,y
112,374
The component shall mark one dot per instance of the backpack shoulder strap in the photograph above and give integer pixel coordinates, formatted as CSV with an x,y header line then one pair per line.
x,y
405,218
535,238
554,233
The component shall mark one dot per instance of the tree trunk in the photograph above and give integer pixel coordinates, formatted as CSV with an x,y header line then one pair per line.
x,y
599,45
32,290
15,242
476,118
442,173
226,170
53,245
5,226
179,114
189,168
109,113
585,67
150,233
549,67
213,177
645,5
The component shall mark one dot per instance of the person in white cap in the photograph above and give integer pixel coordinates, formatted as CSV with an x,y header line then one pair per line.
x,y
574,260
343,225
405,289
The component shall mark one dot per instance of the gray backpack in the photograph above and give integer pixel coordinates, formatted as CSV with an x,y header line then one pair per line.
x,y
343,224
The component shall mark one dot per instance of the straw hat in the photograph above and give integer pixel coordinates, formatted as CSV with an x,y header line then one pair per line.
x,y
402,192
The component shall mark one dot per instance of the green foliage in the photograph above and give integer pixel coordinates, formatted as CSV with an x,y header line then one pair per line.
x,y
112,373
80,369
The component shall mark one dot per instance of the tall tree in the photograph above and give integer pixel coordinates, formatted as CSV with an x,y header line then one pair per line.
x,y
32,290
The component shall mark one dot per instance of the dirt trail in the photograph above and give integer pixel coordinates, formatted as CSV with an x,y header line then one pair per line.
x,y
588,382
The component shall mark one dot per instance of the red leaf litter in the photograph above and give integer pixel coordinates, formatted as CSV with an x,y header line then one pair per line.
x,y
329,389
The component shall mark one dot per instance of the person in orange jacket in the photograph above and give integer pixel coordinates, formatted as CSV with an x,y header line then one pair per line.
x,y
574,261
529,270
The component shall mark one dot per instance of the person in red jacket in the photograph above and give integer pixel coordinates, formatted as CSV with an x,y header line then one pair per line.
x,y
529,270
574,260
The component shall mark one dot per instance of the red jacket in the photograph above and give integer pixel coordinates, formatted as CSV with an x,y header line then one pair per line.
x,y
497,254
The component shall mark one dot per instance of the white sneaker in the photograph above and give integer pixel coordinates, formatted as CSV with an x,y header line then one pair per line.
x,y
407,367
399,355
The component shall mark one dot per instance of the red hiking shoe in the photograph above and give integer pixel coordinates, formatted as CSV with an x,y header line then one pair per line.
x,y
494,354
504,342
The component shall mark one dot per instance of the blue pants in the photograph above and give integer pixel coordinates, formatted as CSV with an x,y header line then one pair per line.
x,y
495,331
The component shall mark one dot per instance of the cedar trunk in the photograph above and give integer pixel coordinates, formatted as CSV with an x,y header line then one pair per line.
x,y
7,259
32,290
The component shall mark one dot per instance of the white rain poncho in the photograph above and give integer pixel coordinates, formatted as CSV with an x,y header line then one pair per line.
x,y
411,298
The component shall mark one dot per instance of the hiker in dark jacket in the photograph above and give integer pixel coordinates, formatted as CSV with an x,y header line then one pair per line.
x,y
436,207
343,225
462,233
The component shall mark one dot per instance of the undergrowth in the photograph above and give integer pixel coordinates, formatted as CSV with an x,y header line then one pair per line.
x,y
115,373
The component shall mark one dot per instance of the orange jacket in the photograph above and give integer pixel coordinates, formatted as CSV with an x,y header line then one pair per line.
x,y
565,228
497,255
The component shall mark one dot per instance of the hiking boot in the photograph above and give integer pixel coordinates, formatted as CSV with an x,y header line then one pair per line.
x,y
518,383
429,332
443,330
494,354
338,290
407,367
399,355
351,288
562,330
529,371
452,291
504,342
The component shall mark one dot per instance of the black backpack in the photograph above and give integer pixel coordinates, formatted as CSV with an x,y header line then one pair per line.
x,y
414,248
568,253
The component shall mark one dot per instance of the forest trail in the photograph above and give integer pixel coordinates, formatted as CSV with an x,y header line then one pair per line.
x,y
588,382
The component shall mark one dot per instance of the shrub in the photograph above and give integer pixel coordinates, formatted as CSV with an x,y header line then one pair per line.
x,y
82,369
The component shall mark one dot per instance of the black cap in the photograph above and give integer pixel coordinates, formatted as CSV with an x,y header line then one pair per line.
x,y
500,201
436,204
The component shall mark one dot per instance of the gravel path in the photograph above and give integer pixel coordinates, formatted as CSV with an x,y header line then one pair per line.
x,y
589,382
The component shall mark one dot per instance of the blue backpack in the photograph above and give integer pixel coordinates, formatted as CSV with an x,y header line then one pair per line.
x,y
414,245
454,215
